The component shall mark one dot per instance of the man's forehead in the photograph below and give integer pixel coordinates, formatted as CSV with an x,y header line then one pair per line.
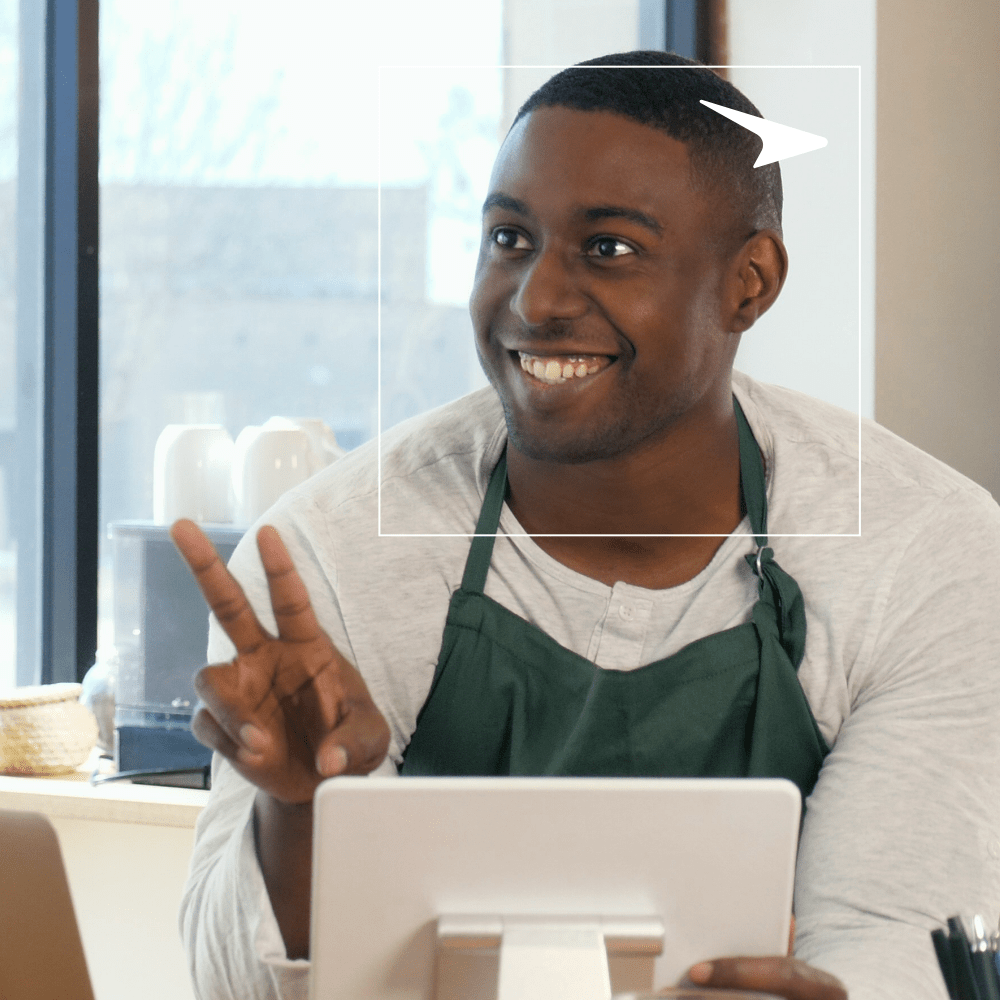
x,y
559,130
598,157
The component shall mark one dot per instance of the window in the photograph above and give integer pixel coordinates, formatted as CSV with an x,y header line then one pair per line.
x,y
239,247
240,197
8,383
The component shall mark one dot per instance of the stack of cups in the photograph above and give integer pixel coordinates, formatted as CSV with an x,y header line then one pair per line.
x,y
198,472
192,465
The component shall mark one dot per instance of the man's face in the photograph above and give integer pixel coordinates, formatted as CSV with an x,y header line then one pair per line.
x,y
597,302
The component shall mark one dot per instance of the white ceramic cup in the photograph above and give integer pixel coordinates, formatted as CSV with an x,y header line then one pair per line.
x,y
192,468
267,461
323,447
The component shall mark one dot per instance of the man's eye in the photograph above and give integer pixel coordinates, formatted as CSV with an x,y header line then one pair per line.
x,y
608,246
510,239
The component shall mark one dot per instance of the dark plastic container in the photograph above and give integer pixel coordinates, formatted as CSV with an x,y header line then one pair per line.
x,y
161,635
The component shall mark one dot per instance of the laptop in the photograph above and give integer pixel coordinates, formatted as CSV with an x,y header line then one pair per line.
x,y
41,954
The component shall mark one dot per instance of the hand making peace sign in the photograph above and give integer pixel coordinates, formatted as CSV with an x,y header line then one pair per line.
x,y
288,710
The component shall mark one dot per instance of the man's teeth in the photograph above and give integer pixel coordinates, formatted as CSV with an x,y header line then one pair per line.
x,y
555,371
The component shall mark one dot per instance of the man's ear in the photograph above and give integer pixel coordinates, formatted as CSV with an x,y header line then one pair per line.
x,y
755,278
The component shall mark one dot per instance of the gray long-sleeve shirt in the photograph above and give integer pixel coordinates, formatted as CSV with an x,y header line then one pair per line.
x,y
901,669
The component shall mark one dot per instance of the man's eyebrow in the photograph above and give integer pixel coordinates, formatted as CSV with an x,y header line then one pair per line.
x,y
620,212
505,201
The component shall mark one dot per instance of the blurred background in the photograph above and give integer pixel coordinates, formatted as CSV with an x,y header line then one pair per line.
x,y
289,220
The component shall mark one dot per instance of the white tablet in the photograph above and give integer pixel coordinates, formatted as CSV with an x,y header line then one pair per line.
x,y
400,864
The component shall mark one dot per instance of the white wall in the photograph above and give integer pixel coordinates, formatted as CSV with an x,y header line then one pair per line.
x,y
557,33
938,223
820,335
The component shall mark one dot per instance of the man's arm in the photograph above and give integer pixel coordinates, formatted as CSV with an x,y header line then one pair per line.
x,y
232,942
283,838
286,712
903,828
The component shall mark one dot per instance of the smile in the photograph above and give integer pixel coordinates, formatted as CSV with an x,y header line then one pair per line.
x,y
562,368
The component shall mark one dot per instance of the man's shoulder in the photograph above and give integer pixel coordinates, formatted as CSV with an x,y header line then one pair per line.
x,y
465,429
830,457
789,416
432,459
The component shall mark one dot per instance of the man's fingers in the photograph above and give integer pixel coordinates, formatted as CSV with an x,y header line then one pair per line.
x,y
293,612
224,595
784,977
253,766
239,704
357,745
209,733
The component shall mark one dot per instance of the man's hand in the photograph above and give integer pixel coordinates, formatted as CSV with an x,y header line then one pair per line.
x,y
783,977
286,711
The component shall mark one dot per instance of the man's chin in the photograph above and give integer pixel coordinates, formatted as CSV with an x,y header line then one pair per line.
x,y
567,449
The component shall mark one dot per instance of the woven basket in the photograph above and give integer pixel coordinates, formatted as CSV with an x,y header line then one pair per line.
x,y
45,730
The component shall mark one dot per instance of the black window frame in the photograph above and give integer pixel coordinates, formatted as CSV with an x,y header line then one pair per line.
x,y
695,29
57,340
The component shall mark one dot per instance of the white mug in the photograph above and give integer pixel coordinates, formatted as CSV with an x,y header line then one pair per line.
x,y
267,461
323,447
192,467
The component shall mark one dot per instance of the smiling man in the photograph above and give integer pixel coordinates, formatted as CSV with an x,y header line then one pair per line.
x,y
621,481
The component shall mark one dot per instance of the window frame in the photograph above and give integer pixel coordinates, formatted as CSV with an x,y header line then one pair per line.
x,y
57,342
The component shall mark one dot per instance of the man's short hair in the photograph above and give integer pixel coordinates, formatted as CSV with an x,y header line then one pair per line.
x,y
722,153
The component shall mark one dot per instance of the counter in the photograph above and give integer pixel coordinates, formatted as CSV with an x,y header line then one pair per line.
x,y
126,849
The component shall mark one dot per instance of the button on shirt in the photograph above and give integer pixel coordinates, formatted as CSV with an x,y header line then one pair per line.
x,y
620,637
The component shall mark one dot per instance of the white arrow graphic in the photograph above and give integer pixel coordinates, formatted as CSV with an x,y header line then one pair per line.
x,y
780,141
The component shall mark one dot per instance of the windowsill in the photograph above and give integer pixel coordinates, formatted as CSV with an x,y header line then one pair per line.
x,y
71,796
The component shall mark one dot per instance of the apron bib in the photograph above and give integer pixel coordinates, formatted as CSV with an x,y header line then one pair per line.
x,y
507,699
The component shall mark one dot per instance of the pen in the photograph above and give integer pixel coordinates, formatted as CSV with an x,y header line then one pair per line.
x,y
983,964
943,951
961,956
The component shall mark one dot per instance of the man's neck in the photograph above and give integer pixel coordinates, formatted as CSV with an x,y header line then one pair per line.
x,y
685,483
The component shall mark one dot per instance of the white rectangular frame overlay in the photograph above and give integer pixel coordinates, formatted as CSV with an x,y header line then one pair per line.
x,y
471,534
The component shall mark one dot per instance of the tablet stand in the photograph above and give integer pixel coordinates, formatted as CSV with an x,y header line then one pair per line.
x,y
553,958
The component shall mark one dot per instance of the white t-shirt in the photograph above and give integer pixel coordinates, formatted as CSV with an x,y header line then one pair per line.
x,y
901,668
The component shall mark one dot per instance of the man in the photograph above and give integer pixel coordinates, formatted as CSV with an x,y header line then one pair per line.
x,y
627,244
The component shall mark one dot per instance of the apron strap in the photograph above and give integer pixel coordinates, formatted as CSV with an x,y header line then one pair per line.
x,y
782,592
752,477
481,551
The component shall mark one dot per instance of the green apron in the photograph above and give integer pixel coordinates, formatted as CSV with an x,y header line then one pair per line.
x,y
507,699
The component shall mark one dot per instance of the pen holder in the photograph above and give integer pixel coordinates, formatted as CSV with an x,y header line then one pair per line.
x,y
970,968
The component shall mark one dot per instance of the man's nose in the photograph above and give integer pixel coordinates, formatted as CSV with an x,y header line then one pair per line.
x,y
550,289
